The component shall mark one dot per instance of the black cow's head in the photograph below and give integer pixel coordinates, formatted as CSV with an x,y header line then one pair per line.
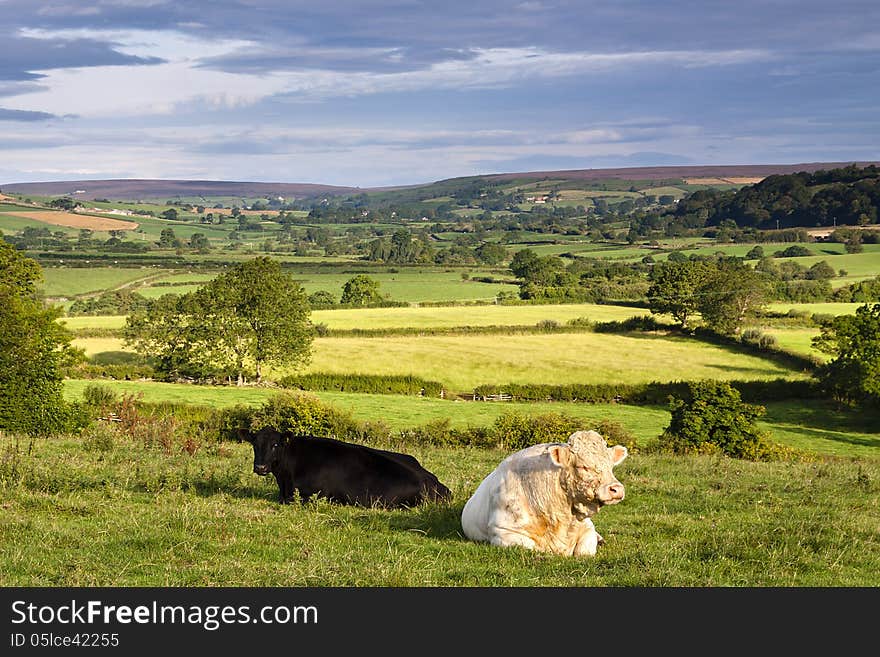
x,y
268,443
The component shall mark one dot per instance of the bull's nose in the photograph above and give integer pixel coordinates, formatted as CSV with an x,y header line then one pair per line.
x,y
261,469
616,491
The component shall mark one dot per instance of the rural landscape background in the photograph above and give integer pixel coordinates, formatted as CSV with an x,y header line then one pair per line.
x,y
454,350
455,242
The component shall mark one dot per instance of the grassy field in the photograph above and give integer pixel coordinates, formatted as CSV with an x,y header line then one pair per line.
x,y
126,515
426,317
814,426
73,281
463,362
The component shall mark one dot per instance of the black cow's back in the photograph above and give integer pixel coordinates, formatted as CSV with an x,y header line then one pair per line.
x,y
354,474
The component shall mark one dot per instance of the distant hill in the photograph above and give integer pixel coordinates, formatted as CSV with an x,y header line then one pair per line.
x,y
137,189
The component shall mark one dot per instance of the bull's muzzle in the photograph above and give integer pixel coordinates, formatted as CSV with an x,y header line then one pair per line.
x,y
612,493
261,469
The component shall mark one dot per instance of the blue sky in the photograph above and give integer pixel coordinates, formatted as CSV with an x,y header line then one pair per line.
x,y
370,93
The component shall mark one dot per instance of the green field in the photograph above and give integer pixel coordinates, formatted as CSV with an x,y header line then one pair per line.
x,y
463,362
424,317
118,513
73,281
818,427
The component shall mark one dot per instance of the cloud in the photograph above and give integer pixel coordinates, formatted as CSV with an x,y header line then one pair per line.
x,y
25,58
23,115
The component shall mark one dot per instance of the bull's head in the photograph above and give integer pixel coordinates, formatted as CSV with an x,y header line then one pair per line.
x,y
586,464
267,443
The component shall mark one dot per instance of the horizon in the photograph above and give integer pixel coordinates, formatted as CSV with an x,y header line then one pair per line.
x,y
385,94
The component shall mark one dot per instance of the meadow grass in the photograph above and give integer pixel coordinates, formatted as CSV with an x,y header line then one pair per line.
x,y
819,307
125,515
408,285
813,425
452,316
797,340
73,281
463,362
424,317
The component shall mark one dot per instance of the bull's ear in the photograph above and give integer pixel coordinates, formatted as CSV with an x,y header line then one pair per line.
x,y
244,434
560,455
618,453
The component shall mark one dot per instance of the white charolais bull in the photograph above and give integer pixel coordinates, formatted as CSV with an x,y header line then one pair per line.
x,y
543,497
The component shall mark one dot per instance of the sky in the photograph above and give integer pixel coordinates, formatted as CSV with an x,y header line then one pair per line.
x,y
394,92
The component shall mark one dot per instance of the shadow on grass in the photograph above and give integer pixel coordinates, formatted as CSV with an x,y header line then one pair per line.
x,y
117,358
824,415
835,436
433,519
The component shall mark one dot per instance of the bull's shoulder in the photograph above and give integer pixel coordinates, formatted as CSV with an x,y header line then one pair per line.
x,y
534,458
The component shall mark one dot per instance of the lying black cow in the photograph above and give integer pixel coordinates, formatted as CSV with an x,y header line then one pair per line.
x,y
341,472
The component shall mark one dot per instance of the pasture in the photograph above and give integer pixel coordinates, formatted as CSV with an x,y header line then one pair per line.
x,y
462,362
817,427
74,281
120,514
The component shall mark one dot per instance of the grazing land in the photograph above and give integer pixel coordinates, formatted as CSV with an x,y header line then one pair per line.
x,y
463,362
207,520
107,510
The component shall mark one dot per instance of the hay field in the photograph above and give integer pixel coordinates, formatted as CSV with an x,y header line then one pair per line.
x,y
463,362
73,220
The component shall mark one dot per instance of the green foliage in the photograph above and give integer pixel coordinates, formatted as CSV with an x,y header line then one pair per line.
x,y
714,419
113,302
252,315
853,376
360,290
34,348
674,288
298,412
793,251
391,384
99,396
730,294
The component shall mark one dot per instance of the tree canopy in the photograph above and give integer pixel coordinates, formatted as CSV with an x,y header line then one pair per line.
x,y
853,375
33,349
251,316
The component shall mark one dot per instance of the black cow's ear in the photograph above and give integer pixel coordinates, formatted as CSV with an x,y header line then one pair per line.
x,y
244,434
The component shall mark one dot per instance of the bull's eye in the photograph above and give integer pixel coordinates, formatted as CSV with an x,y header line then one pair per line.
x,y
274,445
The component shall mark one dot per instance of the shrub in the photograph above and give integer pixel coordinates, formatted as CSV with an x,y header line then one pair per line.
x,y
99,396
714,419
397,384
513,431
298,412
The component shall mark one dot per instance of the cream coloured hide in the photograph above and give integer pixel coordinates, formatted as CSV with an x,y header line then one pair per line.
x,y
543,497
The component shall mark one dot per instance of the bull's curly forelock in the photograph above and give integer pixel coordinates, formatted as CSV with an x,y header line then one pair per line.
x,y
582,443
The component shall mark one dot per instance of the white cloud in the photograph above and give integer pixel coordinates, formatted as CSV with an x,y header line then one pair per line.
x,y
168,87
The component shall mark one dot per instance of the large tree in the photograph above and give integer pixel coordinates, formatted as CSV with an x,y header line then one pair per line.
x,y
853,375
33,349
731,293
360,290
251,316
675,288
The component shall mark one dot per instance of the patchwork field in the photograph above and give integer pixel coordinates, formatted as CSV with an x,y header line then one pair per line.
x,y
73,220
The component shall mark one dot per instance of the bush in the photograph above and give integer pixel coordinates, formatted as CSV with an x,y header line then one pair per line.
x,y
396,384
298,412
713,420
99,396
